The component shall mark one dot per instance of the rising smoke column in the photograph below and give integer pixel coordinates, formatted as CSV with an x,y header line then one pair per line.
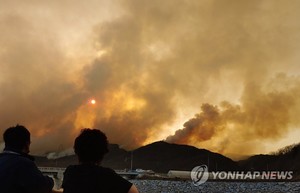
x,y
200,128
145,63
235,128
183,51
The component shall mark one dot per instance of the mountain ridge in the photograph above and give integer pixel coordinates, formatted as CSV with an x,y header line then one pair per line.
x,y
161,157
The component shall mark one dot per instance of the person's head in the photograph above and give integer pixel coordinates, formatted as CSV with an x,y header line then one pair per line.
x,y
17,138
91,146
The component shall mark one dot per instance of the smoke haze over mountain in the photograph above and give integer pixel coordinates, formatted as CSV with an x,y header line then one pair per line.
x,y
221,75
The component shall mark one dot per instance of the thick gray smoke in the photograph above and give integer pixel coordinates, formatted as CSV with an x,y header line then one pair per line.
x,y
239,128
147,62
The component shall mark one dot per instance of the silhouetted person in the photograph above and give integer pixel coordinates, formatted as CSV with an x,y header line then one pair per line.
x,y
89,177
18,172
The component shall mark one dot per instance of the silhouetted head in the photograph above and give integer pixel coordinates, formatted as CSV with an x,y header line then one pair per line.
x,y
17,138
91,146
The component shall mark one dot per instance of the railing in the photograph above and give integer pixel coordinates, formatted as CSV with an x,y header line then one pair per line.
x,y
51,169
58,172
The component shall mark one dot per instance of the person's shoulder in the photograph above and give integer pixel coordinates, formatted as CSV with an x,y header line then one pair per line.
x,y
81,168
92,169
122,185
110,174
106,170
17,158
71,168
72,171
26,161
20,163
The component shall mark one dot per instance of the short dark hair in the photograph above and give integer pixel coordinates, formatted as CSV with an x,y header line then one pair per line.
x,y
16,137
91,145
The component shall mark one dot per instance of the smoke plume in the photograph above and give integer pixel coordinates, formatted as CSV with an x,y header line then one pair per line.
x,y
150,66
261,116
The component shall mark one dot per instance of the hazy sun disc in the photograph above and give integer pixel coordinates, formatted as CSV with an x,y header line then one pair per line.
x,y
93,101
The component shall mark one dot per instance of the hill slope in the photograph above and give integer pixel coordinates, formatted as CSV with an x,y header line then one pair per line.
x,y
159,157
162,156
286,159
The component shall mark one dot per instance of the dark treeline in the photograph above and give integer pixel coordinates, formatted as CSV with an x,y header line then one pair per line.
x,y
162,157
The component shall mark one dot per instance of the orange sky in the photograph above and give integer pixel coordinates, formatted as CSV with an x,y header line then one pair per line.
x,y
224,75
